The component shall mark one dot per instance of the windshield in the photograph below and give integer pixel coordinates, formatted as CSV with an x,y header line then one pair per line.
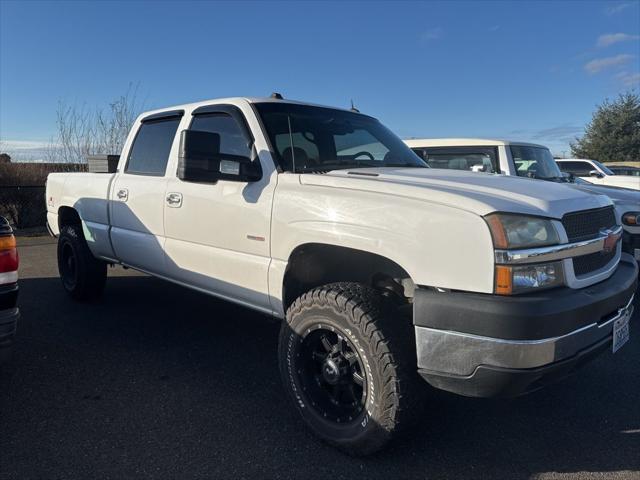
x,y
534,162
604,169
309,139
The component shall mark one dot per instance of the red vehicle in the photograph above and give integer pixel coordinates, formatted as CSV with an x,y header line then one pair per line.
x,y
9,312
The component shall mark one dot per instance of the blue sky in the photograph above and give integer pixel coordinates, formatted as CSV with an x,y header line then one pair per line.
x,y
521,70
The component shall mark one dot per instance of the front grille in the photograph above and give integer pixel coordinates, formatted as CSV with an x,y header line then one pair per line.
x,y
587,224
592,262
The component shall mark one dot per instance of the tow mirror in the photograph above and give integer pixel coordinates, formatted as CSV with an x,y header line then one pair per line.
x,y
200,160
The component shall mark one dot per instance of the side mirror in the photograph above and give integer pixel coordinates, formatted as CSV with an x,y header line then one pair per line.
x,y
200,160
568,175
595,173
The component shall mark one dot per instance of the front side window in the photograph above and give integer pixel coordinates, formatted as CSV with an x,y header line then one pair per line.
x,y
233,141
475,159
534,162
150,151
308,139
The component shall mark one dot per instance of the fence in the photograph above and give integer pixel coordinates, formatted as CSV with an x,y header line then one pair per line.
x,y
23,206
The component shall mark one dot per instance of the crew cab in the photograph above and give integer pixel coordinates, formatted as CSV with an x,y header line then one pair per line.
x,y
383,270
9,312
596,172
527,160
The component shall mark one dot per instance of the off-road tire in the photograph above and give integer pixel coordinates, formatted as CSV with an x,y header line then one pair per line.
x,y
83,276
385,343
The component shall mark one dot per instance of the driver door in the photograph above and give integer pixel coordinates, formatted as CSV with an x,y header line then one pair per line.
x,y
218,234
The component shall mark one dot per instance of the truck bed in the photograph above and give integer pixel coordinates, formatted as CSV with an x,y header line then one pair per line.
x,y
86,192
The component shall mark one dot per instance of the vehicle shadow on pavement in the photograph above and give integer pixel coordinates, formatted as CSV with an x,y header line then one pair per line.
x,y
155,380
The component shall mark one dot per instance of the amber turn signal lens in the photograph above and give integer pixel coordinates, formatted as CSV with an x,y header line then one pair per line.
x,y
497,231
631,218
504,280
8,242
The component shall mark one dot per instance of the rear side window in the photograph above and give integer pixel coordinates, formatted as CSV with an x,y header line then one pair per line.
x,y
151,147
233,141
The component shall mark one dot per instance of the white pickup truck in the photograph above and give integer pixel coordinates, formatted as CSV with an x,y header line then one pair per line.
x,y
527,160
382,269
597,173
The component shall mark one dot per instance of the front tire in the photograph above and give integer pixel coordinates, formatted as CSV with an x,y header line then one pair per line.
x,y
83,276
348,364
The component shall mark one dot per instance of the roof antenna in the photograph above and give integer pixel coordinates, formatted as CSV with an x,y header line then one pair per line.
x,y
276,95
353,108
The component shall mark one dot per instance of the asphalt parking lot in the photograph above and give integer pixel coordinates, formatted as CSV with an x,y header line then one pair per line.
x,y
162,382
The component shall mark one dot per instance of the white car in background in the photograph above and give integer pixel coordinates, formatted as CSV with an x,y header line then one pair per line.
x,y
527,160
595,172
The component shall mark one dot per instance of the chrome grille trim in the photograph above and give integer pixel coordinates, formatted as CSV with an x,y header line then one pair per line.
x,y
554,252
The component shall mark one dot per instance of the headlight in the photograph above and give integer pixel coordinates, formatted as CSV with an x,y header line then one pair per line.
x,y
520,231
631,219
514,279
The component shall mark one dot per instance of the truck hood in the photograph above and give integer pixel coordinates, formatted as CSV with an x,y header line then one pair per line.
x,y
617,194
474,192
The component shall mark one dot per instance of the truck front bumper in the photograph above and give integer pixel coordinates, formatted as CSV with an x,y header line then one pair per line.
x,y
494,346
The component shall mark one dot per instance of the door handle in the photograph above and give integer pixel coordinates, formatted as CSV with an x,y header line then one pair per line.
x,y
174,200
123,194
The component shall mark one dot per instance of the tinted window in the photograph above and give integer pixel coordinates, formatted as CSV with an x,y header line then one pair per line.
x,y
603,168
360,144
534,162
303,146
151,147
475,159
232,139
634,172
579,169
310,138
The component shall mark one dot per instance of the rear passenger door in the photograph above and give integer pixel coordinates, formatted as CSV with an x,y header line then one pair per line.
x,y
138,195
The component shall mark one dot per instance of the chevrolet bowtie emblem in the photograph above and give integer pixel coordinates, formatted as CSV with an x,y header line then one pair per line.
x,y
610,240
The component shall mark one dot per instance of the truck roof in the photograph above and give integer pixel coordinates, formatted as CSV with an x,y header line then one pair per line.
x,y
463,142
235,100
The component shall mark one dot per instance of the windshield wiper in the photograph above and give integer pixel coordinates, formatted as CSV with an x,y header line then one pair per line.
x,y
326,167
550,179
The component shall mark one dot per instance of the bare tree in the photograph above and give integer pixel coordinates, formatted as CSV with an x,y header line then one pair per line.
x,y
83,131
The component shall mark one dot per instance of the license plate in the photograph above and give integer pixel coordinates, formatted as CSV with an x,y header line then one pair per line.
x,y
621,332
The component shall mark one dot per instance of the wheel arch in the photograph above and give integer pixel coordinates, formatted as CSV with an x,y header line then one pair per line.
x,y
68,216
311,265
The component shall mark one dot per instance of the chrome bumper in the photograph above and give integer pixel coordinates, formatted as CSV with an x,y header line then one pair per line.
x,y
459,354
